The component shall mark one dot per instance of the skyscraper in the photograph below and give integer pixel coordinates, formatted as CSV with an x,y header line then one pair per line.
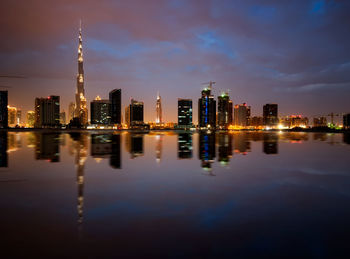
x,y
135,114
71,111
80,100
184,113
100,111
12,115
47,112
224,111
207,109
241,115
3,109
115,99
270,115
159,109
30,119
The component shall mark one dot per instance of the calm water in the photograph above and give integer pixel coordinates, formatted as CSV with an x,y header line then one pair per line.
x,y
173,195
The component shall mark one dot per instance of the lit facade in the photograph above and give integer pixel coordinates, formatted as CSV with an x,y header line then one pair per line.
x,y
184,113
100,112
241,115
159,118
12,116
224,111
207,109
30,119
47,112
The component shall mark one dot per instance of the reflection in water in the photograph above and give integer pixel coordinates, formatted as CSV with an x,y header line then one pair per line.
x,y
207,149
295,137
80,145
159,142
346,138
134,144
270,145
241,143
225,148
184,142
47,147
101,145
115,159
3,149
320,136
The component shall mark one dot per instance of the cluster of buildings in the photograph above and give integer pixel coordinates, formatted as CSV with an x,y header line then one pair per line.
x,y
107,113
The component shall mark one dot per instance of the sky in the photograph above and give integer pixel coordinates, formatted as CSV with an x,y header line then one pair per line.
x,y
294,53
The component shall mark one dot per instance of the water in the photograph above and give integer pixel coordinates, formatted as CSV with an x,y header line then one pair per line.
x,y
170,195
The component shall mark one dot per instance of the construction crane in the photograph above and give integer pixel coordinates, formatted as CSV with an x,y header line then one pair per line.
x,y
211,83
332,114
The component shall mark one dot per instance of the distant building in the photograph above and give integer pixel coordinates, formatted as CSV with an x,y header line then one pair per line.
x,y
270,115
134,114
184,113
320,122
71,110
100,111
47,112
63,118
346,121
294,121
256,122
207,109
12,116
19,117
159,118
224,110
115,99
3,109
241,115
30,119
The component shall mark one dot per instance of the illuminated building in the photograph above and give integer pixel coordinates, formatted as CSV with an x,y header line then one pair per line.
x,y
71,111
80,100
207,149
47,147
184,141
3,109
270,115
30,119
294,121
320,122
134,114
12,115
19,117
3,149
256,122
270,144
346,121
224,111
100,111
115,99
184,113
225,148
63,118
241,115
159,118
207,109
47,112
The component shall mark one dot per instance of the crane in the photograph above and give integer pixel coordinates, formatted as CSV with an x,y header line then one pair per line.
x,y
332,114
211,83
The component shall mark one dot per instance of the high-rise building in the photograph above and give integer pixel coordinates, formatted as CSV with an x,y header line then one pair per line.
x,y
320,122
80,100
71,111
159,110
241,115
207,109
19,117
184,113
3,109
12,116
135,114
346,121
100,111
115,99
30,119
47,112
270,115
224,111
63,118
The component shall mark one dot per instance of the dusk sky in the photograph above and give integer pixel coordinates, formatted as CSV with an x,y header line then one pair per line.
x,y
294,53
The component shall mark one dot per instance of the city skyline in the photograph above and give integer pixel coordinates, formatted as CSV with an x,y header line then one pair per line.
x,y
308,76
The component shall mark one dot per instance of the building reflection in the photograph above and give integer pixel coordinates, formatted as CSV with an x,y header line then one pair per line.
x,y
184,145
320,136
3,149
270,144
207,150
47,146
106,146
115,159
241,143
346,138
225,148
134,144
80,150
13,141
295,137
159,144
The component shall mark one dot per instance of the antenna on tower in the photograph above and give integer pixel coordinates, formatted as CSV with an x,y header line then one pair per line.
x,y
80,25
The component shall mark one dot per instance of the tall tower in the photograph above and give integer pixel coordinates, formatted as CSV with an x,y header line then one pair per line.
x,y
80,100
159,109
